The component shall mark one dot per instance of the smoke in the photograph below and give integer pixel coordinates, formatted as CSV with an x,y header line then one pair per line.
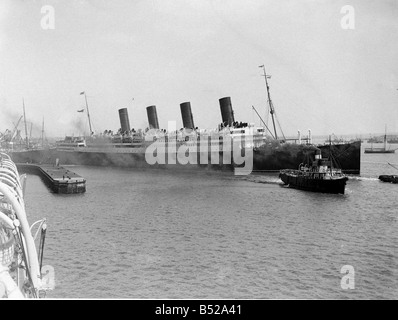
x,y
12,120
79,125
9,117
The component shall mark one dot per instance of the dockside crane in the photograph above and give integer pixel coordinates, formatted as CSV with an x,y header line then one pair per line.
x,y
15,130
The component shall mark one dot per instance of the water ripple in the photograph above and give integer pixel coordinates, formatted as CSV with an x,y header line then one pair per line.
x,y
169,235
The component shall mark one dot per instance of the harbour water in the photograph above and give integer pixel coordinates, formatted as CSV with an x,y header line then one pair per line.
x,y
164,234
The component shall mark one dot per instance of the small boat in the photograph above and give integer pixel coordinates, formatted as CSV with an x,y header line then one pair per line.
x,y
319,177
380,150
389,178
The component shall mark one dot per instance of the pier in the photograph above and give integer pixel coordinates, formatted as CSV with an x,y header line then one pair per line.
x,y
59,179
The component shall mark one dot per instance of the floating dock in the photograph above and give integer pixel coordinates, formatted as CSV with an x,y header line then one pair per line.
x,y
59,179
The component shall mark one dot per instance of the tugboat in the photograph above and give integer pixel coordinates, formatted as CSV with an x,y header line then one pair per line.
x,y
389,178
319,177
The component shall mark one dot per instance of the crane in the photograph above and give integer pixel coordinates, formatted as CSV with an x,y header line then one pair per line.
x,y
14,132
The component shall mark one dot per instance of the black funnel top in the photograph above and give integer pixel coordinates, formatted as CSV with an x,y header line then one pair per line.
x,y
152,117
227,113
186,113
124,120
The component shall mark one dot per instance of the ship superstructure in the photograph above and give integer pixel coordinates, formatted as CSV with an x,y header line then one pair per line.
x,y
270,150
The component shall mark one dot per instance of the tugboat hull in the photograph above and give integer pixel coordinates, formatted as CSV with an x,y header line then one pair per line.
x,y
335,186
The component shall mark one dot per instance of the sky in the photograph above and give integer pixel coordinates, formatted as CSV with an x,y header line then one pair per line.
x,y
133,54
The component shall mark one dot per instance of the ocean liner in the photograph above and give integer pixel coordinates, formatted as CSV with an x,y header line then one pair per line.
x,y
206,148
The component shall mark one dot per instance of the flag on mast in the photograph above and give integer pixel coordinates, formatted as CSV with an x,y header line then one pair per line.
x,y
82,92
82,110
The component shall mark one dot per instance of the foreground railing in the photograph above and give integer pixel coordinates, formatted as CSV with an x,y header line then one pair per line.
x,y
20,263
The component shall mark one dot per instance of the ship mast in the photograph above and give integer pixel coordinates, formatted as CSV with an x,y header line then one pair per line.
x,y
26,128
30,132
385,138
42,134
271,107
88,112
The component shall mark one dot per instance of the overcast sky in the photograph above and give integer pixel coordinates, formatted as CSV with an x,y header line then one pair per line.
x,y
158,52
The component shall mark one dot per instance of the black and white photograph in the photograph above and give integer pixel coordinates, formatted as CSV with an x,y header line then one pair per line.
x,y
198,154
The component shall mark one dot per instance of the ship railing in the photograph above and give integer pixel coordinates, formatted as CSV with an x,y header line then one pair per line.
x,y
290,171
20,269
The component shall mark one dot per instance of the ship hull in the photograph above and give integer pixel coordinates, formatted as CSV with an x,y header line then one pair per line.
x,y
335,186
379,151
269,158
111,158
273,158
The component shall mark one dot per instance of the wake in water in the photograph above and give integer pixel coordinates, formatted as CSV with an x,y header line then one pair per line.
x,y
364,178
380,162
262,179
277,180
